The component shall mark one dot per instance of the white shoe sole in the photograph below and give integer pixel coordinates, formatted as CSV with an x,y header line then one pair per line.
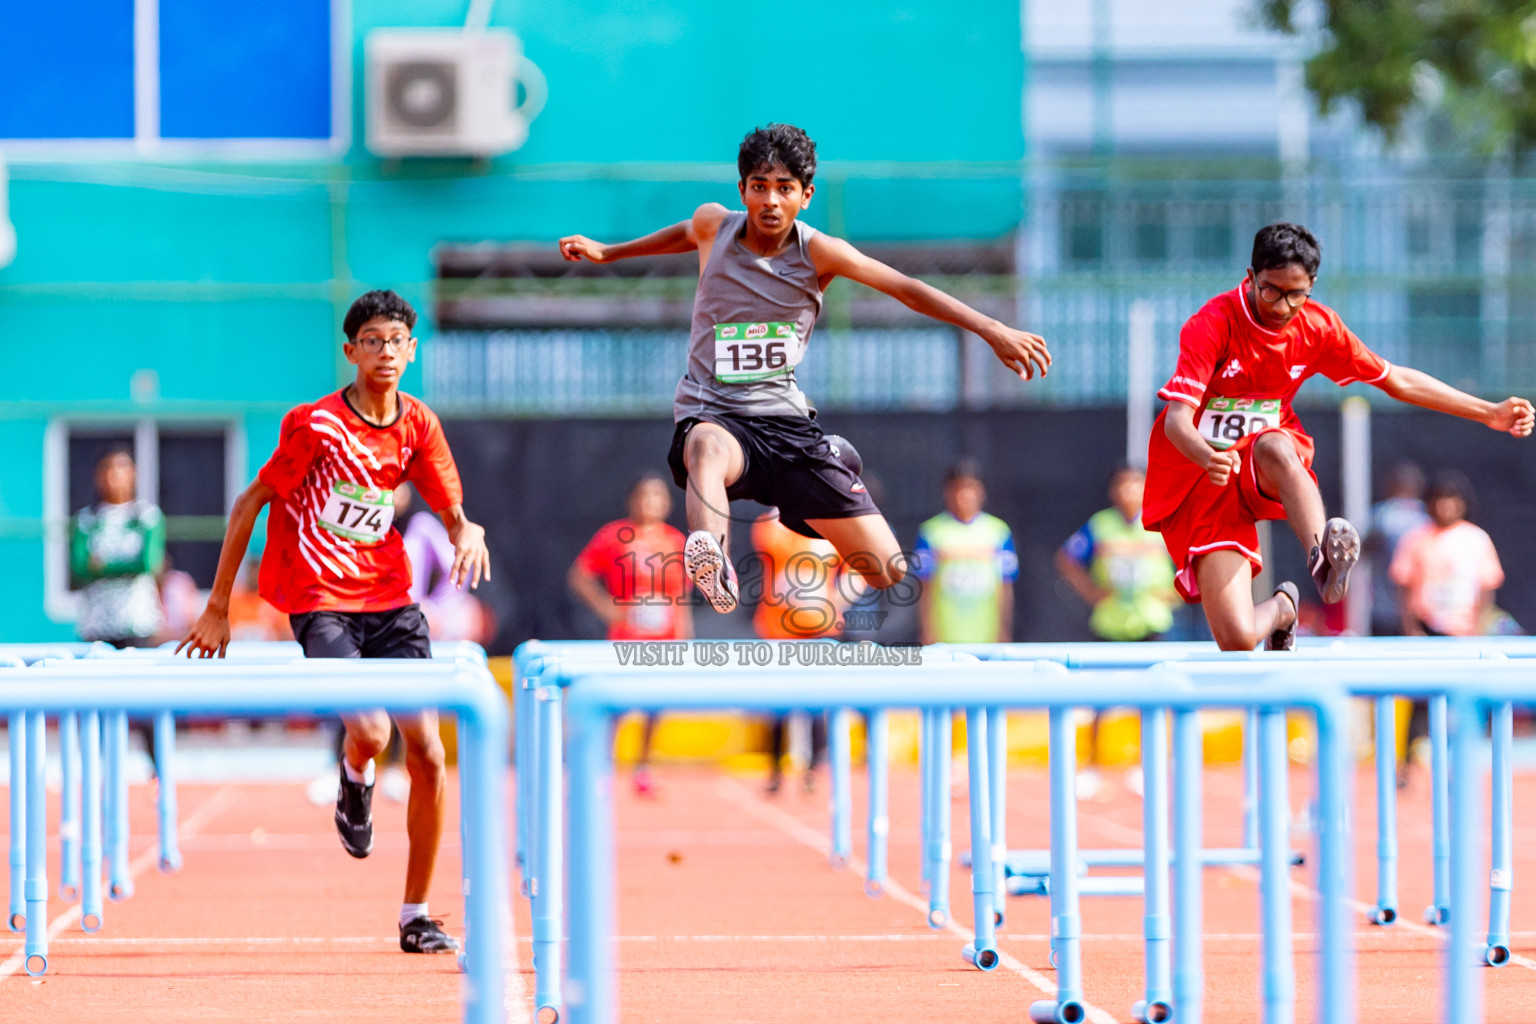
x,y
704,563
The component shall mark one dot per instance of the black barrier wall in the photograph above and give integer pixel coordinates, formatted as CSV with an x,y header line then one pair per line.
x,y
542,487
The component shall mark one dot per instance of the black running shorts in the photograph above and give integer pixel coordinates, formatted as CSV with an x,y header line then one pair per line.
x,y
396,633
788,465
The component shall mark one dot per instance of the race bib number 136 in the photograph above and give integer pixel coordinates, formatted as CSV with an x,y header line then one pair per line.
x,y
360,514
751,352
1226,421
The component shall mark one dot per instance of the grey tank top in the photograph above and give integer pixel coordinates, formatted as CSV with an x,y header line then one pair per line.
x,y
737,286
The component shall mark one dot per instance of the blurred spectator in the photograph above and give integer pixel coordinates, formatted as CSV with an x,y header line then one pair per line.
x,y
180,600
801,600
116,549
1392,518
966,561
1122,571
452,613
1448,571
1125,575
631,575
250,616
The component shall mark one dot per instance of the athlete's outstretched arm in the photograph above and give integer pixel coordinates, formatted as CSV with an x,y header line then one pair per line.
x,y
209,637
471,560
1179,426
1404,383
1020,351
684,236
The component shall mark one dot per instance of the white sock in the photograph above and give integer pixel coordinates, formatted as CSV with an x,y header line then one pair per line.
x,y
411,911
363,778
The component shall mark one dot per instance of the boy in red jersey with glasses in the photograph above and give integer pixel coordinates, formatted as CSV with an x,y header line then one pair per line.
x,y
1228,450
337,567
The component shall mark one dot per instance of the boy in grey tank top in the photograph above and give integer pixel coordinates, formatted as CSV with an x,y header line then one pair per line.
x,y
744,428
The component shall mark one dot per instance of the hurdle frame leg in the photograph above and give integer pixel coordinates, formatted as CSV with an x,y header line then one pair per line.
x,y
35,951
1501,873
69,807
997,789
877,758
981,952
119,884
547,884
1439,912
1157,1004
90,820
1066,920
1279,985
169,861
840,767
925,756
16,735
1335,868
1189,914
1251,779
940,847
487,908
1385,911
589,993
1464,983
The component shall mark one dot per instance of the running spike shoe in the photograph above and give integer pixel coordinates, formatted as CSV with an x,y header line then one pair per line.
x,y
1285,639
354,816
1332,559
426,935
710,571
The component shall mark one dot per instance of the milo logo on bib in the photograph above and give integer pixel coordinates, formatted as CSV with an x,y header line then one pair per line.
x,y
745,353
1226,421
360,514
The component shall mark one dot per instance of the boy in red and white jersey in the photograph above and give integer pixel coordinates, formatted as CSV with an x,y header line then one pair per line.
x,y
1228,450
336,565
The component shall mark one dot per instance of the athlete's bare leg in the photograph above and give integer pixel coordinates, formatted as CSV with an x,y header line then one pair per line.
x,y
426,764
867,546
1226,593
715,461
1281,474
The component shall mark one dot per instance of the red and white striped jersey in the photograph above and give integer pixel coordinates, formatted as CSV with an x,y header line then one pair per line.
x,y
331,542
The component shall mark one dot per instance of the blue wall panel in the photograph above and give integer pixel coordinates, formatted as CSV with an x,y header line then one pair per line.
x,y
66,69
245,71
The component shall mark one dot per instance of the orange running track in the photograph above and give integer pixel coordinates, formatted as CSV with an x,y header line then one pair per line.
x,y
728,911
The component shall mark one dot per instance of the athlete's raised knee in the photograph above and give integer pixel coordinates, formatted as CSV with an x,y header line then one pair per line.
x,y
1275,453
1235,638
704,448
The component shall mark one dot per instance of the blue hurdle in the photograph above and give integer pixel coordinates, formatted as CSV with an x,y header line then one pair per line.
x,y
331,686
595,695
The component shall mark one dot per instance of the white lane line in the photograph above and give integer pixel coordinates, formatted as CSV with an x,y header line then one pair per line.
x,y
140,864
749,802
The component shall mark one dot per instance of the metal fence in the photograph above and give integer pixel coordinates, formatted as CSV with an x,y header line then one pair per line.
x,y
1436,272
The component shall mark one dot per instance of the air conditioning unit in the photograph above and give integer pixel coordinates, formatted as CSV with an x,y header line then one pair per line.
x,y
447,92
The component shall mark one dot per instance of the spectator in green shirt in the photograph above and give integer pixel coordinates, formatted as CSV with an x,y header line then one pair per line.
x,y
116,550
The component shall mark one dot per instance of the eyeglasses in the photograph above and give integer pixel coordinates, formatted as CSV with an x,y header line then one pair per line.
x,y
1269,293
373,344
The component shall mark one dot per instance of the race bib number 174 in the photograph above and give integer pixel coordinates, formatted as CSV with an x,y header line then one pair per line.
x,y
1226,421
751,352
360,514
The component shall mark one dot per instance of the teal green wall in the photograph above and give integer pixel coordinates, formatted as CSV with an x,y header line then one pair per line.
x,y
228,279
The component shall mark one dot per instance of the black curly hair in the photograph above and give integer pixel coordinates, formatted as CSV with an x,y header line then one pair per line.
x,y
778,144
1281,244
373,304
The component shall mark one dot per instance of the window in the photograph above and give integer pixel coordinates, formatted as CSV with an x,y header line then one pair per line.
x,y
146,71
192,471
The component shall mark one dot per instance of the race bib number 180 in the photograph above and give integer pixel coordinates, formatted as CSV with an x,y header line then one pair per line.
x,y
751,352
360,514
1226,421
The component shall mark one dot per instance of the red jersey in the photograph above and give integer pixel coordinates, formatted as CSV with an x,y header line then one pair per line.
x,y
1240,378
642,567
331,540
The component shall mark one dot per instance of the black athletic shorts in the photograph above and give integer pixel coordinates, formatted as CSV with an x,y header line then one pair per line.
x,y
788,465
396,633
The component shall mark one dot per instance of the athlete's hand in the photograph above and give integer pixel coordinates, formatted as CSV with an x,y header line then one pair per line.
x,y
579,247
1515,416
1222,467
471,560
1020,351
209,637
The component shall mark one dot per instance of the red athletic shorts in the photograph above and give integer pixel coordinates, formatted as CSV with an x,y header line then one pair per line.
x,y
1212,518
